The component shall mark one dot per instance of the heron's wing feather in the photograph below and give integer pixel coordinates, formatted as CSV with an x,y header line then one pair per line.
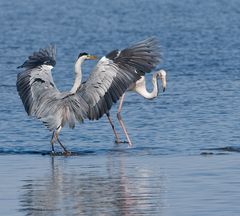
x,y
115,73
42,99
43,56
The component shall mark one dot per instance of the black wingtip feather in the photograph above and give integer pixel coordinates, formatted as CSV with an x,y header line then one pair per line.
x,y
43,56
143,56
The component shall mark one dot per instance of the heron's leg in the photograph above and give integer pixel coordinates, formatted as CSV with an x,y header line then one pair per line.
x,y
66,152
113,127
121,121
52,142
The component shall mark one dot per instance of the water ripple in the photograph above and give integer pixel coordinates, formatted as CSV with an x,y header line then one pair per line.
x,y
134,151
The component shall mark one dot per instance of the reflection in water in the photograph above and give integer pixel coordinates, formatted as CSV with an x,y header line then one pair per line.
x,y
111,186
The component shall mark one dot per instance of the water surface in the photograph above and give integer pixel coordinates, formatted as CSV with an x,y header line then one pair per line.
x,y
186,141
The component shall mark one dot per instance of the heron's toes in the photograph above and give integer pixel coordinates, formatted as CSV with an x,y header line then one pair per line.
x,y
67,153
119,142
52,153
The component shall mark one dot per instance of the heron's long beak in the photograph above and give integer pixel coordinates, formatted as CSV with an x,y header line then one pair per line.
x,y
91,57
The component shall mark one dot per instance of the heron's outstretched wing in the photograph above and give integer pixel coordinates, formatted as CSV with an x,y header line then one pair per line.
x,y
40,96
115,73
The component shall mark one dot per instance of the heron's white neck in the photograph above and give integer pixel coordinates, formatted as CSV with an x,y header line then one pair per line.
x,y
78,75
142,89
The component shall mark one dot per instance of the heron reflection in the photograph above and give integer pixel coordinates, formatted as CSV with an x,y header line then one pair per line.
x,y
108,187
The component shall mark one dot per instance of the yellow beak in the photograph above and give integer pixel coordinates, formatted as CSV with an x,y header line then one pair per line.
x,y
91,57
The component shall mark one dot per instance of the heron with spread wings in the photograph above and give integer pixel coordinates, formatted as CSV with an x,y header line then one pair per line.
x,y
111,77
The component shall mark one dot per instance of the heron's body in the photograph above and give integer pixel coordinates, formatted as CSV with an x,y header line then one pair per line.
x,y
139,87
108,81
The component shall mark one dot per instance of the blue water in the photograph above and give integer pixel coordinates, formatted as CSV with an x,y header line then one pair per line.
x,y
185,157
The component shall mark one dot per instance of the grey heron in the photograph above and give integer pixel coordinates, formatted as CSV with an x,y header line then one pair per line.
x,y
111,77
140,87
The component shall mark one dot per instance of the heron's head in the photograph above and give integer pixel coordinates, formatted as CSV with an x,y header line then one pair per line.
x,y
86,56
163,76
49,62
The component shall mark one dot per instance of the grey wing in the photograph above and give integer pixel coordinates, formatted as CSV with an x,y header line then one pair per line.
x,y
42,99
115,73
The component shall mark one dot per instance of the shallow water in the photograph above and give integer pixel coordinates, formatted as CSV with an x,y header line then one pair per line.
x,y
186,142
120,184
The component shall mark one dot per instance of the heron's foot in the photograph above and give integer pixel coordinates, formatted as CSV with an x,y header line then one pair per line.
x,y
119,141
123,142
67,153
128,142
53,153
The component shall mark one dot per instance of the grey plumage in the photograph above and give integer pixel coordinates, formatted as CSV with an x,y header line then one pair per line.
x,y
43,56
42,99
111,77
115,73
